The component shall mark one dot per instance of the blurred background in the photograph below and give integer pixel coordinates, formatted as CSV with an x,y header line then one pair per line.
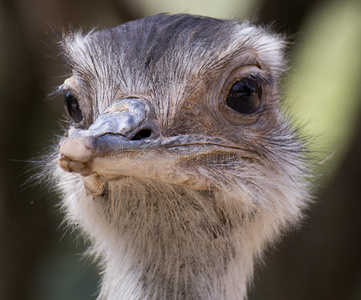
x,y
40,259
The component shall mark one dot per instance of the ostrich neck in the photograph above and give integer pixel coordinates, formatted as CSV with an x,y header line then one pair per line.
x,y
167,242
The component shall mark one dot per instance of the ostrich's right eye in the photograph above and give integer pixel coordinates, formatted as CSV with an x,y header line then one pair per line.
x,y
72,107
245,96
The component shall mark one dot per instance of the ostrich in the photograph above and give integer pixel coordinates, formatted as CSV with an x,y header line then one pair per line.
x,y
178,164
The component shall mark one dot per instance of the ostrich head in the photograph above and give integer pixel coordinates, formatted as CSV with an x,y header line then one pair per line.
x,y
178,164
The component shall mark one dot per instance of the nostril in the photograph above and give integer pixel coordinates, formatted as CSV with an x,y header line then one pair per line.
x,y
142,134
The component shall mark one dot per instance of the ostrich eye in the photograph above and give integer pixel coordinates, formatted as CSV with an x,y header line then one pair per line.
x,y
72,107
245,96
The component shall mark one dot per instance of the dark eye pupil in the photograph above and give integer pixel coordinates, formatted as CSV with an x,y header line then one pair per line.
x,y
245,96
72,107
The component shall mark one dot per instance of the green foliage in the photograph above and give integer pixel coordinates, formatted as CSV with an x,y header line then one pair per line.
x,y
325,78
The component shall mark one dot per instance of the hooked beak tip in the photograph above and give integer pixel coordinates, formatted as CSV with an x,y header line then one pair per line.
x,y
76,154
78,148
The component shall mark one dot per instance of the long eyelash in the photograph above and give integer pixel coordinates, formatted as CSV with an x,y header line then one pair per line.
x,y
61,90
259,78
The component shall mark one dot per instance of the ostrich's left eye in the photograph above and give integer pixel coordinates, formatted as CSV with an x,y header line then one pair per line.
x,y
72,107
245,96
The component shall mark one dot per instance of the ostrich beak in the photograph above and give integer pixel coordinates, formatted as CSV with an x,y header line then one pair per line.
x,y
118,128
92,153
